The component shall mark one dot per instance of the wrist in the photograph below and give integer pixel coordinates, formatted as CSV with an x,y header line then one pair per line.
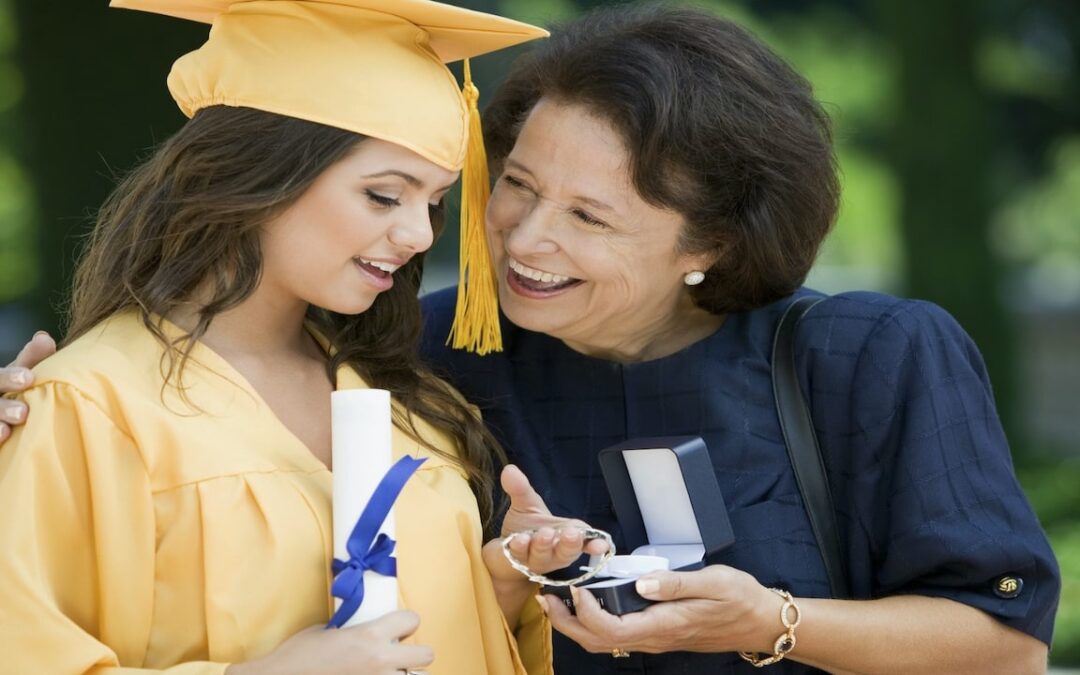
x,y
766,623
783,631
502,574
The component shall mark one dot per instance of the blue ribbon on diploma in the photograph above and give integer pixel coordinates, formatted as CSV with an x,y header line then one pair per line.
x,y
368,548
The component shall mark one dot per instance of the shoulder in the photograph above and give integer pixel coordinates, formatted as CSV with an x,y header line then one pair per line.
x,y
113,351
438,316
884,332
867,315
438,306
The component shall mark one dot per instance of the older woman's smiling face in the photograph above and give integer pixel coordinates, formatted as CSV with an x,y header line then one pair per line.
x,y
578,253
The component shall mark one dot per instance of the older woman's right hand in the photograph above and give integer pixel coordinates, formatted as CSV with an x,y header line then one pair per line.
x,y
370,648
17,376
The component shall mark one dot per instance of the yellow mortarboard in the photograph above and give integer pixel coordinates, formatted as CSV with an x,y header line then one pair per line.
x,y
374,67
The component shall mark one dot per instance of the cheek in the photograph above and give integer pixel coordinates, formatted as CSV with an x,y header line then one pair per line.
x,y
503,211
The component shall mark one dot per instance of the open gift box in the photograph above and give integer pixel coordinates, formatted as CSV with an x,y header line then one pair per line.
x,y
669,506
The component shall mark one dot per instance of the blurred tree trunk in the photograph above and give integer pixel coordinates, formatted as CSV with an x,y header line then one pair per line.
x,y
95,99
942,147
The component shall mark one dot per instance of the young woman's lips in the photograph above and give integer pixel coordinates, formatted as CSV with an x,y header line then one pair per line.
x,y
380,279
530,288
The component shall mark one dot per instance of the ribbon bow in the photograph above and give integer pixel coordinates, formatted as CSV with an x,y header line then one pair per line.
x,y
368,548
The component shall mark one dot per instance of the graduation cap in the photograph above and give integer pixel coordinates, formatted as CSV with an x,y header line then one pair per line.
x,y
374,67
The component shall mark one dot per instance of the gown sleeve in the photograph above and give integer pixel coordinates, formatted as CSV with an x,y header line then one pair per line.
x,y
77,541
948,516
533,637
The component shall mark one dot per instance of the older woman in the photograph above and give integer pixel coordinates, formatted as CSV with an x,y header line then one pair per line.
x,y
664,182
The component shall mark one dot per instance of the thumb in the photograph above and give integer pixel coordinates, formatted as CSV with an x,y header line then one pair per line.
x,y
678,585
522,495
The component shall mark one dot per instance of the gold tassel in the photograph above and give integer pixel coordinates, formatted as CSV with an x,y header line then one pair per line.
x,y
476,317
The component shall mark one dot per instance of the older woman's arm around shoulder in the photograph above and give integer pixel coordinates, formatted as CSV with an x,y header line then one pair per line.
x,y
721,609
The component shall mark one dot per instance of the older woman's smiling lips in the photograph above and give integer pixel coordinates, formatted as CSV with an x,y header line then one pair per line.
x,y
533,283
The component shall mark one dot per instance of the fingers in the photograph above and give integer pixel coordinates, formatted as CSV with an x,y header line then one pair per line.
x,y
12,379
395,625
584,629
412,656
12,412
703,583
568,545
40,346
548,548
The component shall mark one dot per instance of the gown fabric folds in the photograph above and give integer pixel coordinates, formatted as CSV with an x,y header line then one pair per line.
x,y
143,528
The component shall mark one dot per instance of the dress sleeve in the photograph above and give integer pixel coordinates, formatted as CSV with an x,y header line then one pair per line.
x,y
77,542
949,518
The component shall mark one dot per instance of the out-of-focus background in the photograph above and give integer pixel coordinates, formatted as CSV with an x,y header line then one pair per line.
x,y
957,128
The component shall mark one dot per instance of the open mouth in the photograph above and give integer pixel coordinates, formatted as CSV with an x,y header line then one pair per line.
x,y
379,272
539,282
376,267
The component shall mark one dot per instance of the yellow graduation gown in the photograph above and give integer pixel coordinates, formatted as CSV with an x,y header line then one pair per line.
x,y
140,529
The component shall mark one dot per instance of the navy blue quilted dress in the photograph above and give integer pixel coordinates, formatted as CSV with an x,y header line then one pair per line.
x,y
919,466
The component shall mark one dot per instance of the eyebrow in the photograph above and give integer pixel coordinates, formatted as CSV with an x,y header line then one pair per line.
x,y
408,178
581,198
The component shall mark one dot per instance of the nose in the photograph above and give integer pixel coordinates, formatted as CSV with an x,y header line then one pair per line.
x,y
413,232
531,231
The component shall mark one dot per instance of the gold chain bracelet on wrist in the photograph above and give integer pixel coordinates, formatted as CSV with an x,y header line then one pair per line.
x,y
786,642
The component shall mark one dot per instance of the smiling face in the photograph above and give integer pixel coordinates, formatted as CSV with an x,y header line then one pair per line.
x,y
339,244
578,253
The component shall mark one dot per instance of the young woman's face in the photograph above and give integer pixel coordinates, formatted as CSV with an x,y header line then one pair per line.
x,y
578,253
364,217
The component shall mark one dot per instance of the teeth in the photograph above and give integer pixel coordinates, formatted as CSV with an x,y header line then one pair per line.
x,y
537,275
384,266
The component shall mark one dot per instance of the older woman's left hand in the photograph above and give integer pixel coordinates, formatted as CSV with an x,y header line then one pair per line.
x,y
715,609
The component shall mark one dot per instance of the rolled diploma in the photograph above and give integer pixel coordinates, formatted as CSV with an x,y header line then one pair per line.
x,y
362,455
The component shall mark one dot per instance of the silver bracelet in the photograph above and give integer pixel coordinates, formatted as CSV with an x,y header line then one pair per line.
x,y
587,534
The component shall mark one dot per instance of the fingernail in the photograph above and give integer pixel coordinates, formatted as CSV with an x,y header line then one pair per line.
x,y
647,587
15,413
542,601
20,377
41,332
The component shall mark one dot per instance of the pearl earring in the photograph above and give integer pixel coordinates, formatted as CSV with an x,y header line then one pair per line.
x,y
693,278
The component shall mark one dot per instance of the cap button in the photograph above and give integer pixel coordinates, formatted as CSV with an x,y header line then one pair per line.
x,y
1008,586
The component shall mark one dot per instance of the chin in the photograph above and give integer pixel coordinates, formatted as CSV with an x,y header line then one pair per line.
x,y
347,307
532,319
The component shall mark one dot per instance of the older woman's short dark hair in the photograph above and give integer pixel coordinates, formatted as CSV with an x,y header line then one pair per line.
x,y
718,127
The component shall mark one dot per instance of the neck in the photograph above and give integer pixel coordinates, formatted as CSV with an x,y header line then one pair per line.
x,y
654,340
261,326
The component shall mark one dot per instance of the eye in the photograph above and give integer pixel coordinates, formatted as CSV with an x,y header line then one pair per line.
x,y
514,182
587,219
382,200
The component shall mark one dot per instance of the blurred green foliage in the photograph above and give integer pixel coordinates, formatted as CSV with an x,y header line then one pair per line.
x,y
19,264
1051,484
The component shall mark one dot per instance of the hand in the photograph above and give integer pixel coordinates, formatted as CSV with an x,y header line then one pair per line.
x,y
715,609
366,649
17,377
556,543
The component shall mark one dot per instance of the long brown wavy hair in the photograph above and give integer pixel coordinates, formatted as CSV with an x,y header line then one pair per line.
x,y
188,219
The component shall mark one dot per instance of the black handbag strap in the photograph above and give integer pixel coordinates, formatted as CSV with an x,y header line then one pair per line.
x,y
802,444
